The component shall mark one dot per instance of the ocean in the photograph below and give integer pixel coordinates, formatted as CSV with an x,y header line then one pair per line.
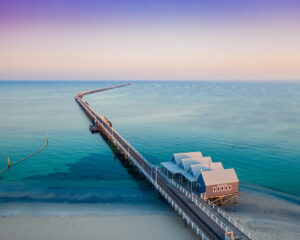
x,y
253,127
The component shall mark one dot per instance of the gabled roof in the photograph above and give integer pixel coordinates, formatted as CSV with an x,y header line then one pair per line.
x,y
173,168
216,165
195,169
203,160
219,176
177,157
187,162
192,164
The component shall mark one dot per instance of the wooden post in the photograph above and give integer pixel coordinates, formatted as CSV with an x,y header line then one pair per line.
x,y
8,162
47,138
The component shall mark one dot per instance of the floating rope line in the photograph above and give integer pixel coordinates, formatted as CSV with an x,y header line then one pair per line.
x,y
9,164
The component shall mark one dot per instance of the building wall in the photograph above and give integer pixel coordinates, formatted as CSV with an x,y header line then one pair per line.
x,y
201,186
222,189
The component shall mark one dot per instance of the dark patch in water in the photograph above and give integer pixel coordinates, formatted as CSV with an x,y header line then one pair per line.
x,y
93,167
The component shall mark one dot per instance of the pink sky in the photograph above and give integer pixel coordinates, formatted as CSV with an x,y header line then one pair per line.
x,y
67,42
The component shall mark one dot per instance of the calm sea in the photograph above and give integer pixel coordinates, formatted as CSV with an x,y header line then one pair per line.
x,y
252,127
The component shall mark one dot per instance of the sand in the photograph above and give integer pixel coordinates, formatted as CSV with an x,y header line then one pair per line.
x,y
265,215
96,227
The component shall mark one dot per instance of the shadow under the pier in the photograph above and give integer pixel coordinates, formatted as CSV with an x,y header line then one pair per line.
x,y
118,155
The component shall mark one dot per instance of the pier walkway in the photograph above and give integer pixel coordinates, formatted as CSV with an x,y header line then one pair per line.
x,y
206,220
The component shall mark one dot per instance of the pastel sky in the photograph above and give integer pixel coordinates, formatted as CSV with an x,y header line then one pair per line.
x,y
150,40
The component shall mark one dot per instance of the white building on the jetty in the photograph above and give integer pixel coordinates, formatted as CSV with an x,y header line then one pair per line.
x,y
203,175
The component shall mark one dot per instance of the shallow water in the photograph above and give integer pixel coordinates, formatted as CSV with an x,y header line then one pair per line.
x,y
252,127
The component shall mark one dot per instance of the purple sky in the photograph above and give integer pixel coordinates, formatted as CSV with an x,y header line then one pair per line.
x,y
69,10
179,36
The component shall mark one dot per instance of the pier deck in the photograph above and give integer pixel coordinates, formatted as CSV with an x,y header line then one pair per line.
x,y
203,219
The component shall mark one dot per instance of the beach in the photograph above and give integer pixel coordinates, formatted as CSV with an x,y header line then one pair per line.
x,y
266,216
94,227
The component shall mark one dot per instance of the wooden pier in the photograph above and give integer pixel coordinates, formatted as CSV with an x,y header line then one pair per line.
x,y
207,220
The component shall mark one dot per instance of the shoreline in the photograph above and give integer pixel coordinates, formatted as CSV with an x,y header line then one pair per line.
x,y
265,215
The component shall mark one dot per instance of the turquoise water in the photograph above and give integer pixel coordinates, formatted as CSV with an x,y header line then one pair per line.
x,y
252,127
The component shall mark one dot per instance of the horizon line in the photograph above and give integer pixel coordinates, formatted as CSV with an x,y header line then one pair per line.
x,y
154,80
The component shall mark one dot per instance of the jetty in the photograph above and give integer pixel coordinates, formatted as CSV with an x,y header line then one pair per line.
x,y
208,221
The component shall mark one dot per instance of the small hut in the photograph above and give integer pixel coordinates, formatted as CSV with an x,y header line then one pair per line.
x,y
202,175
219,185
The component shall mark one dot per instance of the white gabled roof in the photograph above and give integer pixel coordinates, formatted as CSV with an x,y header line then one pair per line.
x,y
216,165
177,157
187,162
193,160
195,169
173,168
203,160
220,176
193,164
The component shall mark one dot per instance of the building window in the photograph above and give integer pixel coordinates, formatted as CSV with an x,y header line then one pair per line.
x,y
214,189
222,188
226,187
218,189
229,187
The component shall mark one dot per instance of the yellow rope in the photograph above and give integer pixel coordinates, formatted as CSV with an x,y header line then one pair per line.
x,y
22,159
3,170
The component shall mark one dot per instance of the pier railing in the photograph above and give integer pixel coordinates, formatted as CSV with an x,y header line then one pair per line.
x,y
185,217
127,148
180,211
193,197
114,134
229,218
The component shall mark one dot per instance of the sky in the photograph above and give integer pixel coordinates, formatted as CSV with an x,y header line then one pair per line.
x,y
150,40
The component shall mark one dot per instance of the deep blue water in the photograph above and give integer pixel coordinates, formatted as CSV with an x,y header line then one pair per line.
x,y
252,127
